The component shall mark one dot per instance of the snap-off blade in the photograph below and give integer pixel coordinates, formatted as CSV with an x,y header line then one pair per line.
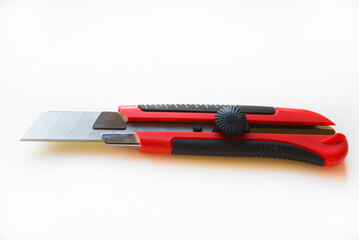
x,y
66,126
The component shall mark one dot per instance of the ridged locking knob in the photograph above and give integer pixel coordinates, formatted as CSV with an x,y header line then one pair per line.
x,y
231,122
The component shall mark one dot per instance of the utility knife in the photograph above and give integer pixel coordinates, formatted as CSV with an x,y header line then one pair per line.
x,y
199,129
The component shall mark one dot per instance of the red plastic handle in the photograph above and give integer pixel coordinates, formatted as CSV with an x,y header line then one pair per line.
x,y
332,149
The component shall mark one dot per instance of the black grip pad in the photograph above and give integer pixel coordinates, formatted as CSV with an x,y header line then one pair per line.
x,y
210,108
242,148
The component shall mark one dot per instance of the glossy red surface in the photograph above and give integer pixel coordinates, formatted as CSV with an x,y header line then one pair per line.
x,y
281,116
332,149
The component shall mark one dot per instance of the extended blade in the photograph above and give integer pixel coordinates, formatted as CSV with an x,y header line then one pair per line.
x,y
65,126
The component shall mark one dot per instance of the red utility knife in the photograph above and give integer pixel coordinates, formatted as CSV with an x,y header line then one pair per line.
x,y
195,129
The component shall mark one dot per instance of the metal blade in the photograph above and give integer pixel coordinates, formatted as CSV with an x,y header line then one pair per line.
x,y
65,126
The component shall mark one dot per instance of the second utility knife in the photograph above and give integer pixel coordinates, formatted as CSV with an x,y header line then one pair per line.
x,y
192,129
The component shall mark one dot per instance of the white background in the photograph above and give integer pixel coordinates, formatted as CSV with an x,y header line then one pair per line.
x,y
96,55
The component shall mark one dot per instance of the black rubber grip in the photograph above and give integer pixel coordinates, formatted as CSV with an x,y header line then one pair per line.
x,y
210,108
245,149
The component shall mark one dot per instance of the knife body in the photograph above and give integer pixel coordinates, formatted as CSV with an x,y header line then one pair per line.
x,y
193,129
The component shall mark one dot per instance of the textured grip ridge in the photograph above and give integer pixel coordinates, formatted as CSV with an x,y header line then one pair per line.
x,y
243,148
285,151
206,108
